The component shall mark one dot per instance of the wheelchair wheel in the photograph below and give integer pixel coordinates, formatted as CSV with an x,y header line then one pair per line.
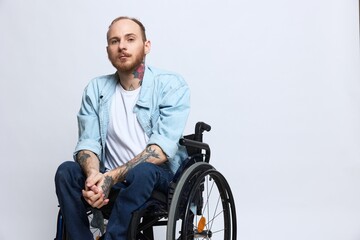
x,y
202,207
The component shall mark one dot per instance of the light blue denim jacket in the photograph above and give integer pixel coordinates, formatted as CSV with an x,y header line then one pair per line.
x,y
162,110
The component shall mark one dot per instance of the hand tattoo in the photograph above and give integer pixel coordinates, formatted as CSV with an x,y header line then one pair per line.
x,y
108,183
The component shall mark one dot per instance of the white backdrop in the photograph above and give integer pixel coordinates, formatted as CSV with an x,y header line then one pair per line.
x,y
278,81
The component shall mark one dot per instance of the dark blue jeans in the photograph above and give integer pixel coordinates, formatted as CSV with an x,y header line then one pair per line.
x,y
126,198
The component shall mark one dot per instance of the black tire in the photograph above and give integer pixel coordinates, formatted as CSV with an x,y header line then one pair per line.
x,y
199,189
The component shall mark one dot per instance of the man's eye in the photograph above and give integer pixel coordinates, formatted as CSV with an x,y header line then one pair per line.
x,y
114,41
131,39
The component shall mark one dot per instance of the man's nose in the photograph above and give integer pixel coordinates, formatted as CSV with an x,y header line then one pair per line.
x,y
122,46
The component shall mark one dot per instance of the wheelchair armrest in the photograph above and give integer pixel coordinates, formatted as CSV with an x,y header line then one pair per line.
x,y
192,143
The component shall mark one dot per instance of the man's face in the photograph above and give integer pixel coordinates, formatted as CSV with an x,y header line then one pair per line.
x,y
126,48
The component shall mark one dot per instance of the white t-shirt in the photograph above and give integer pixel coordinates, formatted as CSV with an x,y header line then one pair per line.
x,y
125,137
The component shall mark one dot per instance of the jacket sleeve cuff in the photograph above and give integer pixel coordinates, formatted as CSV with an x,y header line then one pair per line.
x,y
90,145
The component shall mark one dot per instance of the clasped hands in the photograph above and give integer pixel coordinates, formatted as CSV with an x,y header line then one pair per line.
x,y
97,189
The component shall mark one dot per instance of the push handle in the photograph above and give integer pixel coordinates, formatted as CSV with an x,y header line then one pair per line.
x,y
200,127
195,144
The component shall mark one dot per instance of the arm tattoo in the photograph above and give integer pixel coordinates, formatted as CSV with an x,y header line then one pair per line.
x,y
82,157
149,153
108,182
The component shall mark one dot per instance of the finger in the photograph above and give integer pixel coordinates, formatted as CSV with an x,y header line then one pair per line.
x,y
105,202
92,197
93,179
96,189
98,203
96,197
87,194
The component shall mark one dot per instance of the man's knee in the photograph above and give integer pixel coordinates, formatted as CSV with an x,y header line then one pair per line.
x,y
144,171
67,170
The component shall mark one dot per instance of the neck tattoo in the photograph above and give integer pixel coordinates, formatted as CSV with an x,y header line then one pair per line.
x,y
139,72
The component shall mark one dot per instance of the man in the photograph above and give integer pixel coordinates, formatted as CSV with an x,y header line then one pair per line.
x,y
129,126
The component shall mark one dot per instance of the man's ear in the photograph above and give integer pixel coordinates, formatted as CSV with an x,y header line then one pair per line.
x,y
147,46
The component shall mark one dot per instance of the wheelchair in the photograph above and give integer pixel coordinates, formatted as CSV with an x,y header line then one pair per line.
x,y
199,203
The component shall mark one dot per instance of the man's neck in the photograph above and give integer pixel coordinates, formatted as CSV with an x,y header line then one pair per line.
x,y
133,80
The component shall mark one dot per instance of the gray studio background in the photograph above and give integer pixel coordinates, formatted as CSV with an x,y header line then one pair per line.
x,y
278,81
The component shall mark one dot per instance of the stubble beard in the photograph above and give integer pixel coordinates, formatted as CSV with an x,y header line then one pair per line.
x,y
130,66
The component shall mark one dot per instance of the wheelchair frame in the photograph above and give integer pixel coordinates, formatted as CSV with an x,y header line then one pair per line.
x,y
189,198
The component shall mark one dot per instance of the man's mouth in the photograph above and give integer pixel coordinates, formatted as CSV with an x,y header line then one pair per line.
x,y
123,56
